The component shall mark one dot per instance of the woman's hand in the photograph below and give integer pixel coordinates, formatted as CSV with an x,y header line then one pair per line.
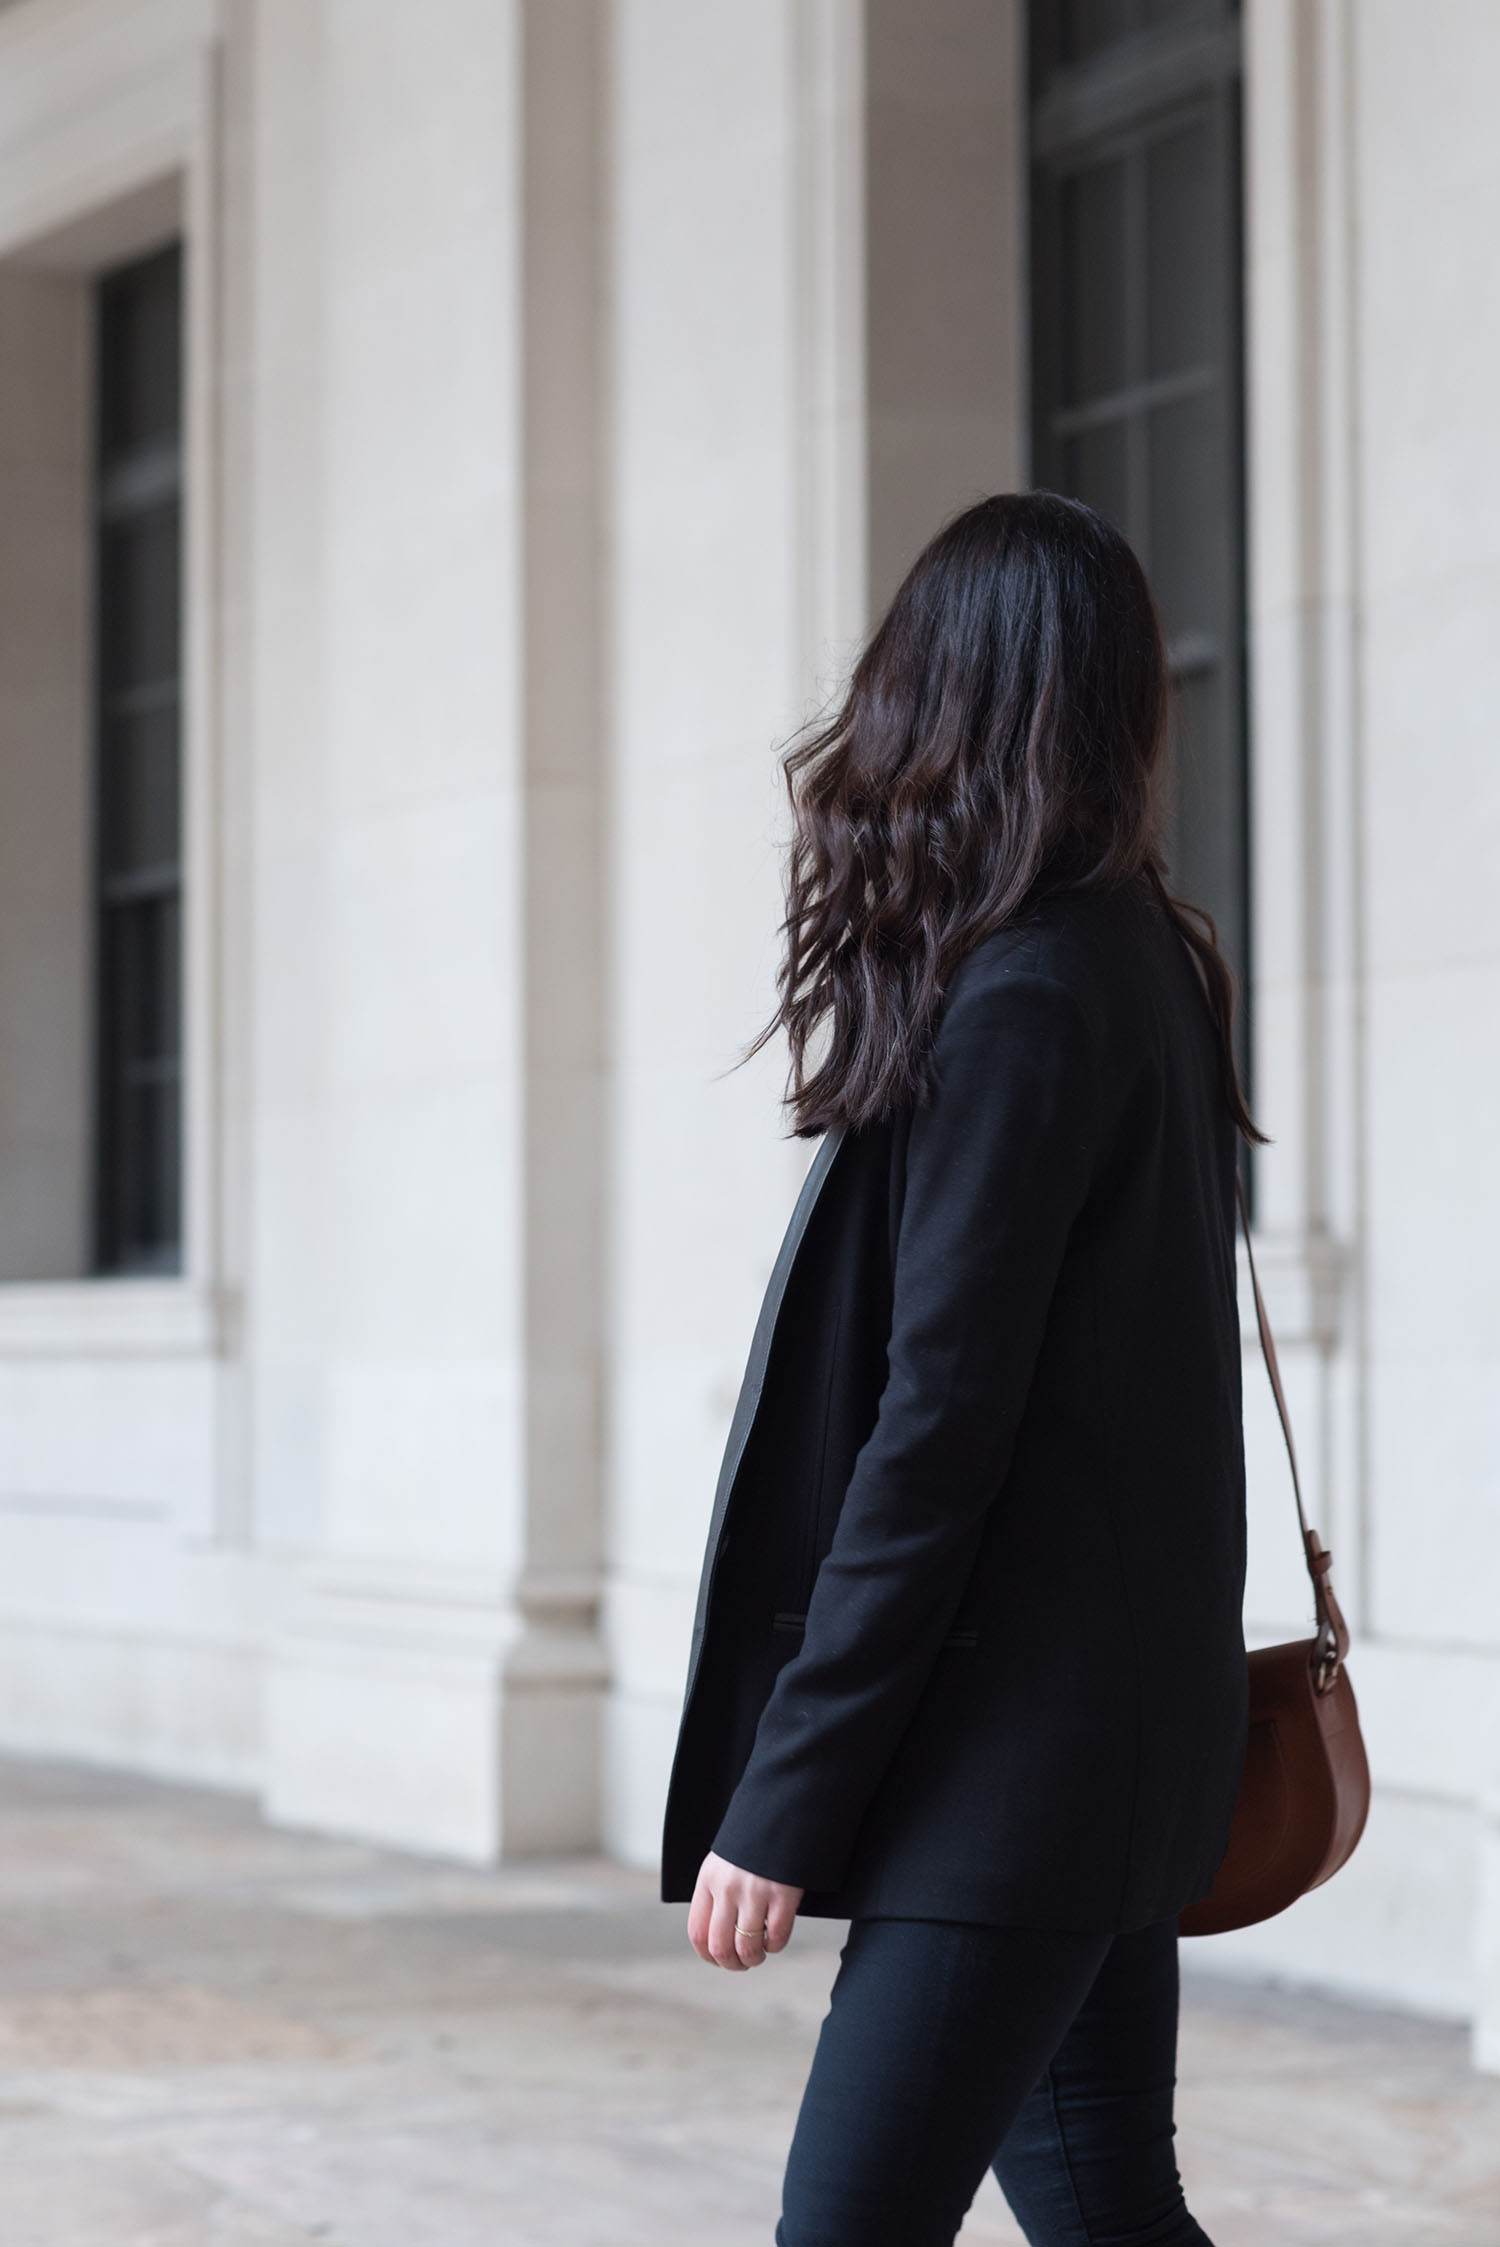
x,y
736,1919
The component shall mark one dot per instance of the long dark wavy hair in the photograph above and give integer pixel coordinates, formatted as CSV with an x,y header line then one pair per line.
x,y
999,742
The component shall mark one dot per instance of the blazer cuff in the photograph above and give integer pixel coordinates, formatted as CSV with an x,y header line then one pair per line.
x,y
777,1842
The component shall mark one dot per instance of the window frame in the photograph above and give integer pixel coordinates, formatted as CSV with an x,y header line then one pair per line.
x,y
1115,103
170,191
130,483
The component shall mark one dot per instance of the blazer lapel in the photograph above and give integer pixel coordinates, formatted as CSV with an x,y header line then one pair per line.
x,y
755,1373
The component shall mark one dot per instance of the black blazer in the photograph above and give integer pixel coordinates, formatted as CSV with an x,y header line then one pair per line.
x,y
968,1642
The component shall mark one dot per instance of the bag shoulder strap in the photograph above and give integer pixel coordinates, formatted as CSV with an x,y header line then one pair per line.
x,y
1333,1631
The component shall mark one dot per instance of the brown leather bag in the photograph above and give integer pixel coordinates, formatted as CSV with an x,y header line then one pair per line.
x,y
1305,1792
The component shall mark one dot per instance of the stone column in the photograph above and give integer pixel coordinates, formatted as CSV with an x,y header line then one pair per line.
x,y
391,1003
555,1674
1487,2005
736,592
816,358
945,204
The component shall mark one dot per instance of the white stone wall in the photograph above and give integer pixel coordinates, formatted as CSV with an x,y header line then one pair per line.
x,y
552,420
127,1631
1375,487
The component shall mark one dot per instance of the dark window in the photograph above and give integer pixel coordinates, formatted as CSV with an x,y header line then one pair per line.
x,y
1136,363
138,811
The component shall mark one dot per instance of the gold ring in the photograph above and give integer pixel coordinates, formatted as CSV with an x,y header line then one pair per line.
x,y
758,1932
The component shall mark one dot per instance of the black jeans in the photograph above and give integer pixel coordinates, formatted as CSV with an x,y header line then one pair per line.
x,y
949,2047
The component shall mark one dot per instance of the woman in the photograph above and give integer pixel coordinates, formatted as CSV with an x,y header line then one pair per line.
x,y
968,1666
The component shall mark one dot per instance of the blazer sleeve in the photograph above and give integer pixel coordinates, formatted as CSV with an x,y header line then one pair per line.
x,y
998,1165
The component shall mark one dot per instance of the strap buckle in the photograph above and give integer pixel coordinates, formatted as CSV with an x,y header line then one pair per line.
x,y
1328,1666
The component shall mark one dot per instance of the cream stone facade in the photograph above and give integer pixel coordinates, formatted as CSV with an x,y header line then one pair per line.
x,y
565,382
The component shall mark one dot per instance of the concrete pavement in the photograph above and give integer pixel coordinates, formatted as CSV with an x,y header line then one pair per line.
x,y
217,2035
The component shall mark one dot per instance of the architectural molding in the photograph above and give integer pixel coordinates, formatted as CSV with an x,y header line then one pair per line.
x,y
425,1705
179,1704
555,1674
1305,1279
113,146
560,1643
102,98
383,1697
1487,2011
833,595
1304,605
109,1318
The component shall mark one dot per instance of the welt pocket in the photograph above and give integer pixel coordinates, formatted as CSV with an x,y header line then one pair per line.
x,y
794,1623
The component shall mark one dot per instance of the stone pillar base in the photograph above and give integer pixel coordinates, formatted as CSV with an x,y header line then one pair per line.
x,y
435,1716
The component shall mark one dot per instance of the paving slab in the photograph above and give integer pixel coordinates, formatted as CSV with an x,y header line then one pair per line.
x,y
215,2034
